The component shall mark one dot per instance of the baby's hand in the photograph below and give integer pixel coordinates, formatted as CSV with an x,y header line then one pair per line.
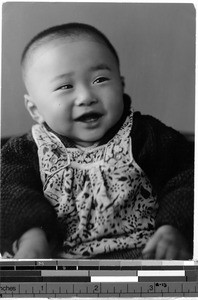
x,y
32,244
167,243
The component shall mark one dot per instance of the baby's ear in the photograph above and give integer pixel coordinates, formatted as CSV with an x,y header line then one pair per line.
x,y
32,109
123,82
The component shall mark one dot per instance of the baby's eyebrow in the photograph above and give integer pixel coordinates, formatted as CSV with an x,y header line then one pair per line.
x,y
100,67
62,76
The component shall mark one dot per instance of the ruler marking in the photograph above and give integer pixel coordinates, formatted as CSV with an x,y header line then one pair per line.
x,y
86,288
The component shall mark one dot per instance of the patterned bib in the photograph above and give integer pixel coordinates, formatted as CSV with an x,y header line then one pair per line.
x,y
103,200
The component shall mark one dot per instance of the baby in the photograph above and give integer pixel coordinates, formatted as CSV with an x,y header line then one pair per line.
x,y
93,178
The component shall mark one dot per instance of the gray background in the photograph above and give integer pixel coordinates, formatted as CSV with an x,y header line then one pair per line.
x,y
155,42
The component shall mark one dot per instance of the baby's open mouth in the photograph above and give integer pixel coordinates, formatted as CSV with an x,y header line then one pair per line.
x,y
89,117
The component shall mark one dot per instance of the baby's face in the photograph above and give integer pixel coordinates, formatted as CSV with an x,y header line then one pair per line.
x,y
77,88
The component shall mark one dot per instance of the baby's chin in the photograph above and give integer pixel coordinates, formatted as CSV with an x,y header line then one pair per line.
x,y
82,142
87,140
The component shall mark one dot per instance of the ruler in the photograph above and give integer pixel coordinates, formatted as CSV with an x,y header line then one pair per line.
x,y
91,278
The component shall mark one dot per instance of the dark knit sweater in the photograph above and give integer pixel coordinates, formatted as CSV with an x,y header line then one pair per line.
x,y
163,153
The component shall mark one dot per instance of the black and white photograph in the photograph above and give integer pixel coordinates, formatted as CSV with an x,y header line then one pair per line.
x,y
97,130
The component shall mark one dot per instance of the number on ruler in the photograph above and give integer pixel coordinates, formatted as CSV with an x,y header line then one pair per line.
x,y
96,288
151,288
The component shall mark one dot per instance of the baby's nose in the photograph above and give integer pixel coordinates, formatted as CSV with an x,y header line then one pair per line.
x,y
86,97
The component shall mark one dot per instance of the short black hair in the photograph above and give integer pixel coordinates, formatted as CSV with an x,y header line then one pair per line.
x,y
71,30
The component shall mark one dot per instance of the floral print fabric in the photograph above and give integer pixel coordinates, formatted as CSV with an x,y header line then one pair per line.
x,y
103,200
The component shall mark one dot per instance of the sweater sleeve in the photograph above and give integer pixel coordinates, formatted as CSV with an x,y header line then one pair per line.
x,y
168,160
23,205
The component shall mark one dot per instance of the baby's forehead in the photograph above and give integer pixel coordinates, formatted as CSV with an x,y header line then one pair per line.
x,y
50,44
47,44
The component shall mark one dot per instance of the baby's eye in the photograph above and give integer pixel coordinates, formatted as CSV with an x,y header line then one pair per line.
x,y
65,87
101,79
